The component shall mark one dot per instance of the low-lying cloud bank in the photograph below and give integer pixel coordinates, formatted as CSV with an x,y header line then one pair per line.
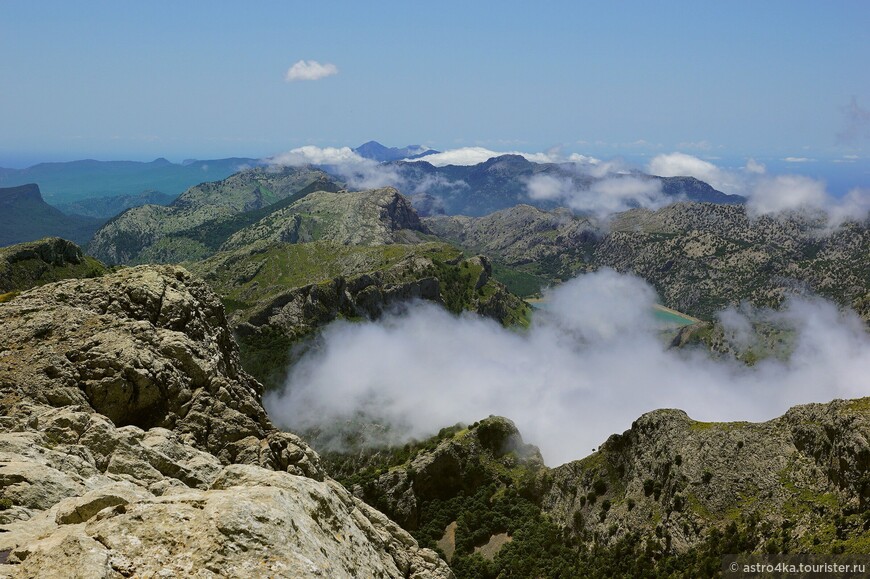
x,y
466,156
767,194
356,170
602,198
612,189
591,364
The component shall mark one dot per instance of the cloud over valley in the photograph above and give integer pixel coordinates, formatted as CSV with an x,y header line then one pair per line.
x,y
591,363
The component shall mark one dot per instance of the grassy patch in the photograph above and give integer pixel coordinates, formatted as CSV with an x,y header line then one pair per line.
x,y
519,282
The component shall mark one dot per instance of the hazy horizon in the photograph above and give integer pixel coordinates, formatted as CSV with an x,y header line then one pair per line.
x,y
139,81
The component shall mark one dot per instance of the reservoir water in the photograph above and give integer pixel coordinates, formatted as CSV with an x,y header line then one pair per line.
x,y
666,317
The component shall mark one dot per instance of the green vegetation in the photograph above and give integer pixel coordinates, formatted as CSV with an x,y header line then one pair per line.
x,y
28,265
204,216
519,282
8,296
266,355
334,280
259,273
212,234
499,494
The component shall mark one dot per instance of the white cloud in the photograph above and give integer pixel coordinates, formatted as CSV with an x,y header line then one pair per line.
x,y
755,168
602,198
798,160
683,165
461,156
312,155
309,70
549,188
784,193
787,193
582,159
590,365
854,206
357,171
436,181
475,155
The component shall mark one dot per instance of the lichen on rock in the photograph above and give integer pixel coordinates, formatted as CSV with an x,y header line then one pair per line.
x,y
133,444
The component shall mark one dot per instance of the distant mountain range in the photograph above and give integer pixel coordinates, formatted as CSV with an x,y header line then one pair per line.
x,y
107,207
63,183
503,182
377,152
288,250
25,216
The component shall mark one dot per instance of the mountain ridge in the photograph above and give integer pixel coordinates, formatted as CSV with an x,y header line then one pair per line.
x,y
25,216
502,182
669,496
377,152
700,257
71,181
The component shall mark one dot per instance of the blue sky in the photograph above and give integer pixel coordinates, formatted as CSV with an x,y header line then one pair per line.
x,y
125,80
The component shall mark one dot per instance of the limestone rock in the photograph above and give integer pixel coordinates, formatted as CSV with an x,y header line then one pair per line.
x,y
686,477
373,217
27,265
132,444
145,347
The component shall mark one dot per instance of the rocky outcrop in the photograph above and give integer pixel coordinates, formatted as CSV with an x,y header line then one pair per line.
x,y
669,494
459,464
27,265
521,235
675,479
373,217
131,443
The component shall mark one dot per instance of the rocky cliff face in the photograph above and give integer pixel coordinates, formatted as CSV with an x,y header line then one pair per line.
x,y
668,496
26,265
278,293
676,479
524,236
24,216
132,443
374,217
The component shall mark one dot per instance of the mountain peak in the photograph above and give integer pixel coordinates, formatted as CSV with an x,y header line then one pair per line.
x,y
22,193
378,152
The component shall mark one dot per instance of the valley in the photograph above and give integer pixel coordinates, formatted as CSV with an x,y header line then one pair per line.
x,y
175,362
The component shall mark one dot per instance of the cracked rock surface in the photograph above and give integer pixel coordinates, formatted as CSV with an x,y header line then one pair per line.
x,y
133,444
